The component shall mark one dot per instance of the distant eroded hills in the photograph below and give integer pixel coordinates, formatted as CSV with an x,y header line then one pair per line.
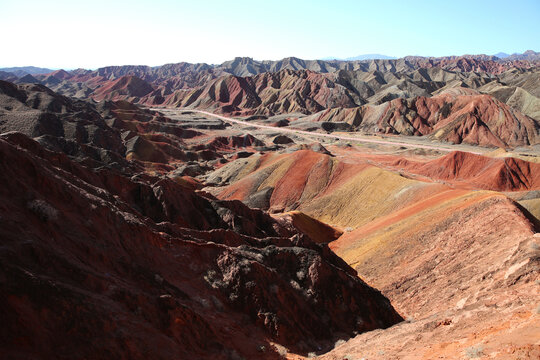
x,y
477,99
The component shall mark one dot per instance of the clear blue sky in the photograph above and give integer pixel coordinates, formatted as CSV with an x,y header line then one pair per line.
x,y
90,34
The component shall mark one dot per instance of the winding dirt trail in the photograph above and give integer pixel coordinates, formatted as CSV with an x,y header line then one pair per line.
x,y
334,136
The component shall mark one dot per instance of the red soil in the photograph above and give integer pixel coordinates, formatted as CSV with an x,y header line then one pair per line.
x,y
125,87
500,174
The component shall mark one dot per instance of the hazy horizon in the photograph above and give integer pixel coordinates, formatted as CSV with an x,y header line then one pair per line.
x,y
327,58
75,34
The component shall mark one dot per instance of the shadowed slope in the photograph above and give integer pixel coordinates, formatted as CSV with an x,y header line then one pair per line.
x,y
95,264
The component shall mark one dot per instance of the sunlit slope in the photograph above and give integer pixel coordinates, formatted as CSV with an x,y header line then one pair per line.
x,y
463,271
330,190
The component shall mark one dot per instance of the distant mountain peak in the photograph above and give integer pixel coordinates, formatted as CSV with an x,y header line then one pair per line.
x,y
370,57
24,70
362,57
501,55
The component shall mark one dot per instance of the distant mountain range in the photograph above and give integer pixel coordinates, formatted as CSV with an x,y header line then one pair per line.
x,y
527,55
244,87
247,66
25,70
501,55
362,57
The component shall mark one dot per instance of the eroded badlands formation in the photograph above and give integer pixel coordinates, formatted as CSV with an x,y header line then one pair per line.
x,y
134,226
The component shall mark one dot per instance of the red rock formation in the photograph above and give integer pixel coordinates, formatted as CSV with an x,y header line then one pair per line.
x,y
232,142
96,265
124,88
456,115
269,93
60,75
315,229
500,174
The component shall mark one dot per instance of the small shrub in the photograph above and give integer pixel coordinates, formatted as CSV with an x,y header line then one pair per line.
x,y
339,343
295,285
281,350
233,355
474,351
43,210
212,278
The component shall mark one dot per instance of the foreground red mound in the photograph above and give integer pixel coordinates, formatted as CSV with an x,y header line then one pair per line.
x,y
95,264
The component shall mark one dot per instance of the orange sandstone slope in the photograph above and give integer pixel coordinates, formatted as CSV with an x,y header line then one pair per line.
x,y
464,269
460,262
444,261
499,174
340,193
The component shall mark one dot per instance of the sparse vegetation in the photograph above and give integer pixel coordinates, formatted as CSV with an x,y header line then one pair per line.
x,y
43,210
295,285
281,350
339,343
212,278
474,351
